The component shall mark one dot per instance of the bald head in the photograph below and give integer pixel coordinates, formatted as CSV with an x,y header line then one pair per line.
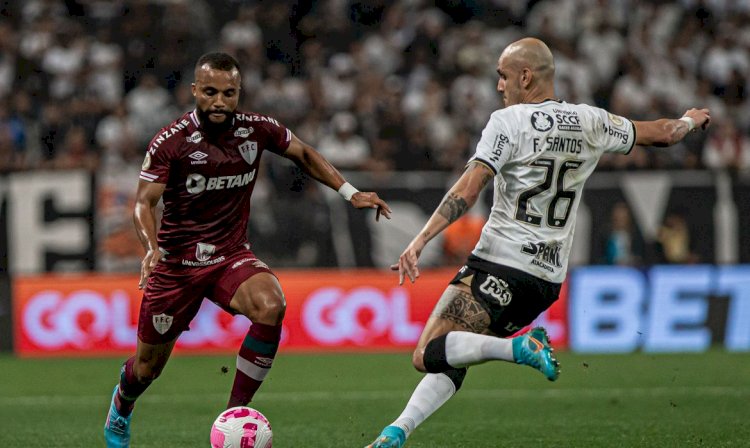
x,y
533,54
527,71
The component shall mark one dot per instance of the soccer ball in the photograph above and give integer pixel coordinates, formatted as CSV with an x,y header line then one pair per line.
x,y
241,427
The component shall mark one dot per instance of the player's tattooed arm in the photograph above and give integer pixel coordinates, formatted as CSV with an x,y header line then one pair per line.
x,y
455,205
667,132
452,207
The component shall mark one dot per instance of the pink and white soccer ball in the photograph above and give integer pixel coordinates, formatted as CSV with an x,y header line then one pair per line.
x,y
241,427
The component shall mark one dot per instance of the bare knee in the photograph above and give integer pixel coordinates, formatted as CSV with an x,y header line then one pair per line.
x,y
260,299
270,309
265,307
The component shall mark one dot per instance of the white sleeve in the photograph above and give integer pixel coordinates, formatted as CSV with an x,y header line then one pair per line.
x,y
610,132
494,148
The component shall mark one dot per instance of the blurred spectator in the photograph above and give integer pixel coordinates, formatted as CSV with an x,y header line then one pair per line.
x,y
13,134
630,96
623,246
242,31
338,85
116,134
415,75
342,147
282,96
148,106
673,241
727,147
64,60
105,58
76,152
7,58
52,132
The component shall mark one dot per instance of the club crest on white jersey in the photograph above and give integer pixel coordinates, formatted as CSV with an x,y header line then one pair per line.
x,y
541,121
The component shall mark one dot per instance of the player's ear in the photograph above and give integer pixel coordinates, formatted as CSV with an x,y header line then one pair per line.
x,y
193,89
526,77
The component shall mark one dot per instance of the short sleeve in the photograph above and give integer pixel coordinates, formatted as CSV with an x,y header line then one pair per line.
x,y
612,133
155,167
279,137
494,146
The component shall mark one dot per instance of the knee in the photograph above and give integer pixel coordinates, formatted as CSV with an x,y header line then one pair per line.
x,y
269,309
417,360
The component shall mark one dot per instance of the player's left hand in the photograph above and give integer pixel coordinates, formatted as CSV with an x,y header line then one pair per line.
x,y
368,199
701,117
407,262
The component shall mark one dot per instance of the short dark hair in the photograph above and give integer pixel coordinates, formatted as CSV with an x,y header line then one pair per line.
x,y
218,61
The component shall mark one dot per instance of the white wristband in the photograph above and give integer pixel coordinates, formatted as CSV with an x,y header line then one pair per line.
x,y
347,191
690,122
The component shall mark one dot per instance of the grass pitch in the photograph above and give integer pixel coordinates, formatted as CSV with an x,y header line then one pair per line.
x,y
343,400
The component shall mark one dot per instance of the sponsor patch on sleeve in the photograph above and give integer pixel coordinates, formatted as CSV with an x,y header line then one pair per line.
x,y
617,121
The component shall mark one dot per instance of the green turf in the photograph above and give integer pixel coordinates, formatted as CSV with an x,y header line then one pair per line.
x,y
344,400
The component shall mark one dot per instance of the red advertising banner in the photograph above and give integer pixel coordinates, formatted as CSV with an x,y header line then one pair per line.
x,y
327,310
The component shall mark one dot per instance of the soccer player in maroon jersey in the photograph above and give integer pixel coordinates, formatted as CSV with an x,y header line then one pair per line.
x,y
204,166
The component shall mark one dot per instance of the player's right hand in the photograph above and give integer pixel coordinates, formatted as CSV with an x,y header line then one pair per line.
x,y
407,262
368,199
152,258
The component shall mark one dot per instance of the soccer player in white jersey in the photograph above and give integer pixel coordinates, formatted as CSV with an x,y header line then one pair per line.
x,y
539,151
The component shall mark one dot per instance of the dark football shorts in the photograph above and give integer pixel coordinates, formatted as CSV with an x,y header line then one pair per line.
x,y
511,297
174,293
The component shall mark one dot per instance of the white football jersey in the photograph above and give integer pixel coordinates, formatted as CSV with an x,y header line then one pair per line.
x,y
541,155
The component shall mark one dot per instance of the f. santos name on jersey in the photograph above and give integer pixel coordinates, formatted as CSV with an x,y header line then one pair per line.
x,y
197,183
558,144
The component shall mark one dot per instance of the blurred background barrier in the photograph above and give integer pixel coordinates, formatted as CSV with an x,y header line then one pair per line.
x,y
602,309
675,242
74,221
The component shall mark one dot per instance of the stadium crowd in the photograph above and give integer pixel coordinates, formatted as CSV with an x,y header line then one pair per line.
x,y
386,85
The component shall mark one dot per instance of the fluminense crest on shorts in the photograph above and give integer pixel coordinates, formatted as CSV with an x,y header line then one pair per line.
x,y
249,151
162,322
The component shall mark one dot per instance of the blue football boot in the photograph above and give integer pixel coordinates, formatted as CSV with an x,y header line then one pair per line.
x,y
391,437
117,427
533,349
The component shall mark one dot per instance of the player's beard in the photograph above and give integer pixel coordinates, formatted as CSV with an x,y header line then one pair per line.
x,y
212,128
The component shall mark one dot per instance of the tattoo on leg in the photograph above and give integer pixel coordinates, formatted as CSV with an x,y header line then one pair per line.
x,y
453,207
460,307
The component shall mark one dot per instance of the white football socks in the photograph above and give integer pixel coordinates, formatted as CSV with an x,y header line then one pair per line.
x,y
431,393
463,349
